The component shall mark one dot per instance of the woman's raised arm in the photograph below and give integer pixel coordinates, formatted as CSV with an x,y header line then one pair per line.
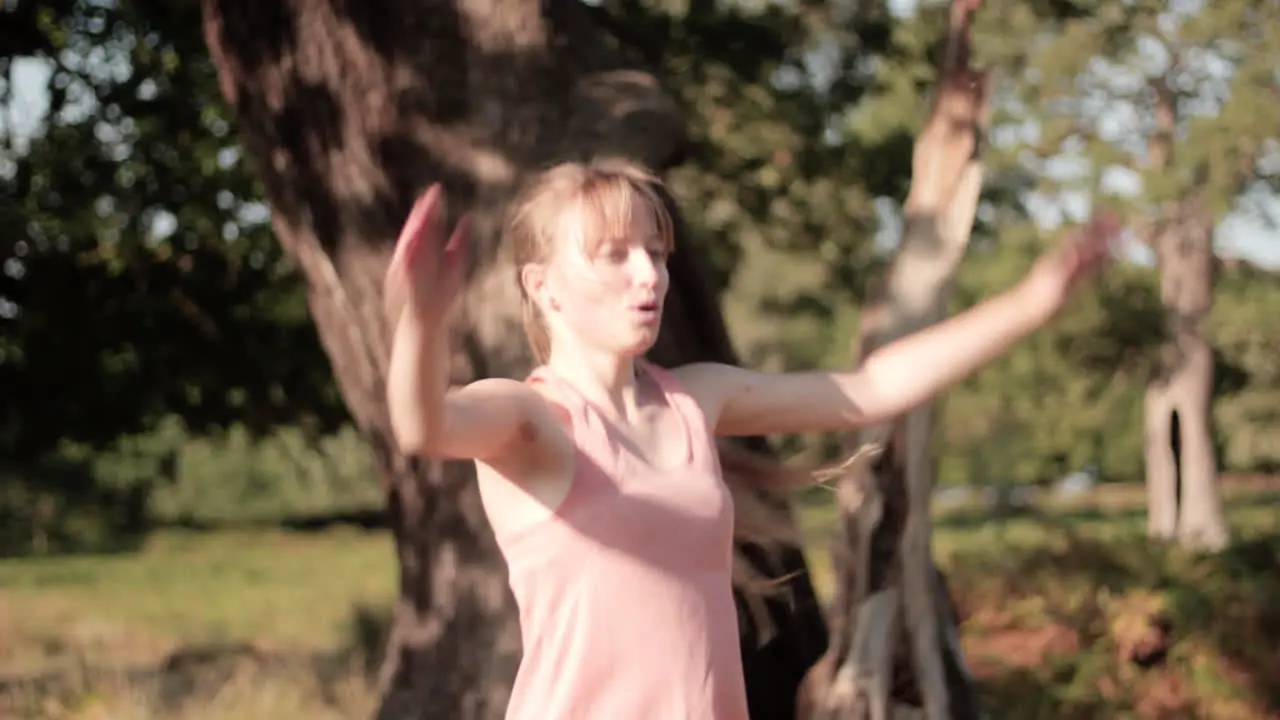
x,y
904,373
429,418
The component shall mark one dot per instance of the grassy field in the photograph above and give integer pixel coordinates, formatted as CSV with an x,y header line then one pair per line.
x,y
1068,612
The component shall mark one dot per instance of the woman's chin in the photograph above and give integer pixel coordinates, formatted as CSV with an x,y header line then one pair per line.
x,y
640,345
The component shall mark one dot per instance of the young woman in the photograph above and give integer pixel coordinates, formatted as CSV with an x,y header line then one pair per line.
x,y
599,473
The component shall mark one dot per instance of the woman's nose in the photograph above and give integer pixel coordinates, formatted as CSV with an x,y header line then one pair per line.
x,y
643,268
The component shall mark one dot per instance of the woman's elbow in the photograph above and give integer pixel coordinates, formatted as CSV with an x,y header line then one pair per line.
x,y
890,409
409,444
414,439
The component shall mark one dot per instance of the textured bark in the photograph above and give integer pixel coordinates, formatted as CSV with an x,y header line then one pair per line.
x,y
1182,474
895,649
348,111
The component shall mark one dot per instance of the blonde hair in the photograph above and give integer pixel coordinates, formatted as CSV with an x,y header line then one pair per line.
x,y
608,188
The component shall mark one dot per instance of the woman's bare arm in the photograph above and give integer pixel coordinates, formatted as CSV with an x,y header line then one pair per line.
x,y
895,378
429,418
891,380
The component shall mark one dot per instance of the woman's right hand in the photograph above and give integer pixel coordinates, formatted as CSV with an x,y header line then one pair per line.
x,y
426,270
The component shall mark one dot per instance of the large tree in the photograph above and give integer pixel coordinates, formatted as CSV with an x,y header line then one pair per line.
x,y
348,111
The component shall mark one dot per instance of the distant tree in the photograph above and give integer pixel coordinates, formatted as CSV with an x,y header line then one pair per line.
x,y
1172,96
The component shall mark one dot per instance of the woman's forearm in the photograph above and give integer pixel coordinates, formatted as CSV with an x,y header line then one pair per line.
x,y
914,368
417,380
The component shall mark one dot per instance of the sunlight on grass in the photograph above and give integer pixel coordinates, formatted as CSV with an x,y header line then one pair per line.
x,y
969,532
275,589
1058,604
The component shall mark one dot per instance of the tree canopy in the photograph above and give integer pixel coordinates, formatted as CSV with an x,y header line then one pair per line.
x,y
142,287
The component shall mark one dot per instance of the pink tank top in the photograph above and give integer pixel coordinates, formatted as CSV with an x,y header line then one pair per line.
x,y
625,598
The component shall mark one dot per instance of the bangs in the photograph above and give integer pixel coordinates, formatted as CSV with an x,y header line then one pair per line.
x,y
607,204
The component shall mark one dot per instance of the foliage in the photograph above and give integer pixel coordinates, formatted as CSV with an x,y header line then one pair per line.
x,y
145,281
1093,621
1086,88
1247,336
144,233
1067,397
143,284
170,476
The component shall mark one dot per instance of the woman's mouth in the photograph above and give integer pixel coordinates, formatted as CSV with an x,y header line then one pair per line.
x,y
648,311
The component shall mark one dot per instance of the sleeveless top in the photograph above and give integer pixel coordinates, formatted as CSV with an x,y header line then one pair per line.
x,y
624,593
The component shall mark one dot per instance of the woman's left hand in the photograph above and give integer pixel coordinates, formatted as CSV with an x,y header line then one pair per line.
x,y
1060,271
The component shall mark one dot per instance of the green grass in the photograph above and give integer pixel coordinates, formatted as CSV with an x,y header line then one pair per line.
x,y
277,590
1057,604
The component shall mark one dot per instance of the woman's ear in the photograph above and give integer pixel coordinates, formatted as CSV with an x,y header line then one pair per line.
x,y
533,278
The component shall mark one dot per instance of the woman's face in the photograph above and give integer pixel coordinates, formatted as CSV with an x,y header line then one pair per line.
x,y
605,282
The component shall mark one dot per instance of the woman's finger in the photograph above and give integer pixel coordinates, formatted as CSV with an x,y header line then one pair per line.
x,y
419,220
455,251
428,231
393,295
461,235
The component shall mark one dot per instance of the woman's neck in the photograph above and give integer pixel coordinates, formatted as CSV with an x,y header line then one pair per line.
x,y
607,380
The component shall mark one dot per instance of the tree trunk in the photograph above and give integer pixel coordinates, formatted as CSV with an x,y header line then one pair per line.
x,y
1161,463
1182,474
348,111
895,649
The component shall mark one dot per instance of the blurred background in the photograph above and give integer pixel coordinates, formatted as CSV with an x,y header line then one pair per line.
x,y
191,527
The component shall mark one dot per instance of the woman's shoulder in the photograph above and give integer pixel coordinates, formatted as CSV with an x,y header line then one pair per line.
x,y
554,398
702,377
701,383
693,372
